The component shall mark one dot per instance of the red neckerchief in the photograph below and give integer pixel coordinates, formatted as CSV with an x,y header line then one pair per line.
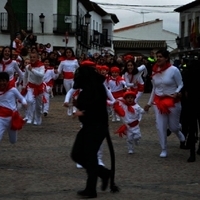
x,y
48,68
5,62
9,86
156,69
37,64
72,58
117,79
130,108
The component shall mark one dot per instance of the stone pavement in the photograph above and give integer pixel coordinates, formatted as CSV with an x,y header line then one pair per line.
x,y
39,167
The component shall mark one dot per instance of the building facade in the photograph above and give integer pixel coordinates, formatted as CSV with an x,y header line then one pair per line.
x,y
63,23
189,24
144,37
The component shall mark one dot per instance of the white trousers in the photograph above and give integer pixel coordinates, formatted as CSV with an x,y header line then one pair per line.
x,y
46,94
164,121
133,133
68,84
34,110
5,123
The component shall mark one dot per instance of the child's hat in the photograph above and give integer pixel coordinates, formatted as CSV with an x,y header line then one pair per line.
x,y
115,69
129,92
88,63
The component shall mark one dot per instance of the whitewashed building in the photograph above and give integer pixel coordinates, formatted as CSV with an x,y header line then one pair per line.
x,y
63,20
143,38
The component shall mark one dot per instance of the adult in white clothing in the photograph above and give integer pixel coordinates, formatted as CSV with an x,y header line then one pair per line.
x,y
133,78
67,67
10,66
167,83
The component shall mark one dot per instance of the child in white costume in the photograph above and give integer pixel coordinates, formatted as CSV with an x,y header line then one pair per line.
x,y
33,81
50,75
130,113
10,120
117,86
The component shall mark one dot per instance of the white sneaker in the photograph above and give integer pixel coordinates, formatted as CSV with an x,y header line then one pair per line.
x,y
117,119
28,121
25,118
79,166
69,111
130,151
100,162
163,154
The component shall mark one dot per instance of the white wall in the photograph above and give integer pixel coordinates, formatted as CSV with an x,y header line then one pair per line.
x,y
148,32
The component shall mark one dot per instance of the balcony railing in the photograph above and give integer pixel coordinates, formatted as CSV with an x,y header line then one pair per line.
x,y
63,23
83,36
24,20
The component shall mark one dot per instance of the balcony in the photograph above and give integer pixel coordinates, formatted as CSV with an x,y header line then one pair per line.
x,y
99,39
25,21
82,35
63,23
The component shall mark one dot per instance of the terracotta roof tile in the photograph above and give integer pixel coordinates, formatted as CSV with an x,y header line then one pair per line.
x,y
124,44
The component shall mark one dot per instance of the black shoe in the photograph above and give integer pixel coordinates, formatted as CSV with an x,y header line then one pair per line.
x,y
105,180
183,146
45,114
192,158
86,194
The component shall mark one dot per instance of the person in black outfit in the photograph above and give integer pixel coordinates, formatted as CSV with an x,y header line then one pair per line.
x,y
92,112
191,82
149,65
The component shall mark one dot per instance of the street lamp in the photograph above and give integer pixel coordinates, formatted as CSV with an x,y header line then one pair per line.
x,y
87,18
42,21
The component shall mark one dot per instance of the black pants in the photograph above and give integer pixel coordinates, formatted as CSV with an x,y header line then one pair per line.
x,y
84,152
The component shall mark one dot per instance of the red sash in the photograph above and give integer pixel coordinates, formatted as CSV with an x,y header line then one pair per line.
x,y
16,122
118,94
50,83
163,103
68,75
122,129
38,89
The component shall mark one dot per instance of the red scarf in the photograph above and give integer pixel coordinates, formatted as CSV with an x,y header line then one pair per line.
x,y
6,62
156,69
48,68
62,58
117,79
37,64
9,86
129,106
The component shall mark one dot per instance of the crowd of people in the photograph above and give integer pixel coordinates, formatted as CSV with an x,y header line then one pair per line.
x,y
32,73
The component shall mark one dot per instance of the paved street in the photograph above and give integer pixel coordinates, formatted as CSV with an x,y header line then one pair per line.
x,y
39,167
